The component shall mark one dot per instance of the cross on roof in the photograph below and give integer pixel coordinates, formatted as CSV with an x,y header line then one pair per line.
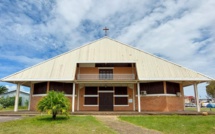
x,y
105,29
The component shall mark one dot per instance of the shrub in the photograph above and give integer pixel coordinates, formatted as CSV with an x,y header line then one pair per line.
x,y
9,101
54,103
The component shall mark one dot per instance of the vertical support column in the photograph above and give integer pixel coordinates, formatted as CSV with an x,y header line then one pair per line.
x,y
133,98
48,87
31,92
78,98
73,98
17,98
138,95
197,97
182,93
164,87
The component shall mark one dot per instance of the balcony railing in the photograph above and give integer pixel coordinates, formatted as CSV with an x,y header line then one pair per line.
x,y
105,76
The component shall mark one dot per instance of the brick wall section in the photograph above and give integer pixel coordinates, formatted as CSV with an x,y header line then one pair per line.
x,y
34,102
81,102
130,105
36,99
153,103
148,103
88,70
116,70
175,103
122,70
161,103
96,108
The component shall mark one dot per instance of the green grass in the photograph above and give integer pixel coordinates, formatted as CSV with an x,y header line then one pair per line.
x,y
11,108
62,125
203,109
175,124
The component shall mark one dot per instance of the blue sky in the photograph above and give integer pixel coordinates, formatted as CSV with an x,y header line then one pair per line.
x,y
181,31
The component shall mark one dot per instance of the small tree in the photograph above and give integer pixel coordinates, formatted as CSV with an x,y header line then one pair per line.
x,y
210,89
3,89
54,103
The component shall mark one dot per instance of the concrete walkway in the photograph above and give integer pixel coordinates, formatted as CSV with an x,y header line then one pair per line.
x,y
9,118
123,127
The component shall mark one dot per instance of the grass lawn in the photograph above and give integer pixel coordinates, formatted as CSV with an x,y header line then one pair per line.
x,y
175,124
11,108
203,109
62,125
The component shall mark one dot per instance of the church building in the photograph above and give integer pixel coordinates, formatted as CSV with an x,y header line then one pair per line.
x,y
107,75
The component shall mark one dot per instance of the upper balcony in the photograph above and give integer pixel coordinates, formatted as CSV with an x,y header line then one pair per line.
x,y
106,77
106,71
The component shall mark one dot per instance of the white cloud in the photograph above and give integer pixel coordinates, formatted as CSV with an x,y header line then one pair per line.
x,y
182,31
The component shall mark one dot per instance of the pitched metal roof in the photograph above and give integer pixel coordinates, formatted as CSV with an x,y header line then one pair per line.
x,y
105,50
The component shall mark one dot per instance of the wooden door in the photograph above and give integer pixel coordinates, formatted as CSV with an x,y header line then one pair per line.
x,y
105,101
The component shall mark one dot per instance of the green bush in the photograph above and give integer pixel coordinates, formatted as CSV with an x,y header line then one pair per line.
x,y
9,101
54,103
1,107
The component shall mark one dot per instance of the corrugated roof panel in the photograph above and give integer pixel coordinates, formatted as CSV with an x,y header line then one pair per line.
x,y
149,67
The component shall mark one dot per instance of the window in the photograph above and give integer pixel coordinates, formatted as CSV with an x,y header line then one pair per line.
x,y
152,88
91,90
90,100
172,88
90,93
106,74
67,88
120,90
121,96
40,88
121,100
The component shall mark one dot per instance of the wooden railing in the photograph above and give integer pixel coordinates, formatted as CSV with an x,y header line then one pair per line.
x,y
105,77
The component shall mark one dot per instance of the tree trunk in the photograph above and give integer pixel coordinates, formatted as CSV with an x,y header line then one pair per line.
x,y
54,116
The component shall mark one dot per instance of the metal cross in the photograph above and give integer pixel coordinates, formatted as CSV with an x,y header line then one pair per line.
x,y
105,29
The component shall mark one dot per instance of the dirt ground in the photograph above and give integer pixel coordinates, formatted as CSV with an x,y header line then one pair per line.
x,y
123,127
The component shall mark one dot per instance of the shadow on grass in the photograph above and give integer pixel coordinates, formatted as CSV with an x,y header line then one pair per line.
x,y
49,118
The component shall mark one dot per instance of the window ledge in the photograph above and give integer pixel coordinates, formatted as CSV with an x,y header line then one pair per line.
x,y
120,95
157,95
39,95
91,105
91,95
70,95
120,105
